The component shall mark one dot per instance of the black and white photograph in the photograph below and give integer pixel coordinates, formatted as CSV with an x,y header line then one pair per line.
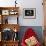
x,y
29,13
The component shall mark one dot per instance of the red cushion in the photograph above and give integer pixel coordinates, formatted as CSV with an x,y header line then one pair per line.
x,y
29,33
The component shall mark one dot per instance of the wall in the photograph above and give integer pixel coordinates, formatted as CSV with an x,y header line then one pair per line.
x,y
39,13
27,4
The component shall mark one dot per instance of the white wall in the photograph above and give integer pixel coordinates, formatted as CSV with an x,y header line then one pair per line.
x,y
27,4
39,13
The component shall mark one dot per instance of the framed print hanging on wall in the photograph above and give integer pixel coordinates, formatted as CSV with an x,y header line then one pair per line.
x,y
29,13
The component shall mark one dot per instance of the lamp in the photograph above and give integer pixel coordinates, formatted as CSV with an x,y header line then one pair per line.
x,y
15,3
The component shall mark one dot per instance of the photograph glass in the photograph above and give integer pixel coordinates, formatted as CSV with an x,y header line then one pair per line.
x,y
29,13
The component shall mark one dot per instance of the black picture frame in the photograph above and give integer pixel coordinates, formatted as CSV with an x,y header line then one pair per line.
x,y
29,13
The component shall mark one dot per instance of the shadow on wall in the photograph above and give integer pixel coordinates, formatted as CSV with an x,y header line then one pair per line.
x,y
37,29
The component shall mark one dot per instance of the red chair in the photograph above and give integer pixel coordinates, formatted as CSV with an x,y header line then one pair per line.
x,y
29,33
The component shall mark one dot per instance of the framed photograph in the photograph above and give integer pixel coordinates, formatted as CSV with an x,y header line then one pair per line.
x,y
29,13
5,12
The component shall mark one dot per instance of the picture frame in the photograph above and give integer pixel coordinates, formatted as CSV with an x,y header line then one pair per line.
x,y
5,12
29,13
